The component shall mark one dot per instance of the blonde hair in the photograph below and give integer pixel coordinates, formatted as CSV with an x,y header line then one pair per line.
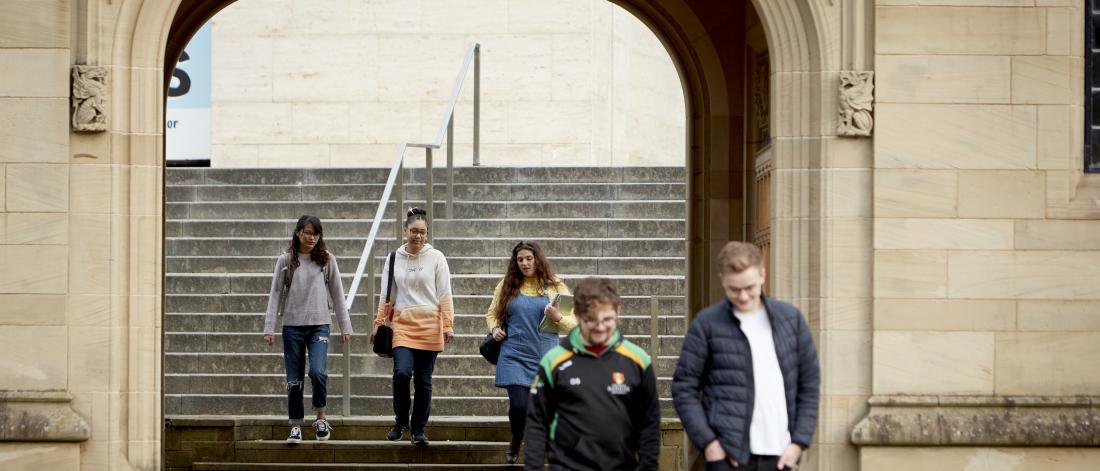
x,y
737,257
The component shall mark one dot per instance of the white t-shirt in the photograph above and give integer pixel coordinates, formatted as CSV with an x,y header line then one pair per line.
x,y
768,433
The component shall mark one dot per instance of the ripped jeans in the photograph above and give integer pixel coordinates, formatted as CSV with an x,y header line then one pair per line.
x,y
296,340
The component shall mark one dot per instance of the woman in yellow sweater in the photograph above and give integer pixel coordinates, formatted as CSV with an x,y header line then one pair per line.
x,y
520,303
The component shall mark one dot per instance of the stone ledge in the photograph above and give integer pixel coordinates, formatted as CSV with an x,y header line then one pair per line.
x,y
980,421
40,416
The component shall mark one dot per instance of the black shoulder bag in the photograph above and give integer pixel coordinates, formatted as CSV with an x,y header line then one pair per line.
x,y
383,339
490,347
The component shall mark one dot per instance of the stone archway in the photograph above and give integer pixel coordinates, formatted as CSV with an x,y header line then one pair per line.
x,y
806,55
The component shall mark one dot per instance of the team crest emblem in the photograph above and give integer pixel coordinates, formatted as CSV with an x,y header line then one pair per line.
x,y
618,385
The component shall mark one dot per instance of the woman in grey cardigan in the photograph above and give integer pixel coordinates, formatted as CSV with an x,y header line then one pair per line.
x,y
305,287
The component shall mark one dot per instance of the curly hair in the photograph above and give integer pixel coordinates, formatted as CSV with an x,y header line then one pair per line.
x,y
319,253
513,277
593,291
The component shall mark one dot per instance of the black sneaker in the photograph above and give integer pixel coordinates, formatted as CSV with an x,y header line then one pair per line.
x,y
419,439
396,432
324,430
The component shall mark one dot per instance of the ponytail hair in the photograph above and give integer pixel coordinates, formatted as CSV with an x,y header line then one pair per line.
x,y
415,213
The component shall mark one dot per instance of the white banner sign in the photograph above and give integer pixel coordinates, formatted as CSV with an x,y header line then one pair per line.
x,y
187,123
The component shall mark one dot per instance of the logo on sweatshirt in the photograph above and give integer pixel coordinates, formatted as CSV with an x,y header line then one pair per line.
x,y
618,385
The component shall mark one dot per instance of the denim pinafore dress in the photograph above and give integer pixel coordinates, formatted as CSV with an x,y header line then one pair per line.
x,y
525,345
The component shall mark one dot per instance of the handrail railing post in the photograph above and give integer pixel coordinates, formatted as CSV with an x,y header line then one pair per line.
x,y
654,307
429,184
396,181
372,306
451,167
400,219
477,105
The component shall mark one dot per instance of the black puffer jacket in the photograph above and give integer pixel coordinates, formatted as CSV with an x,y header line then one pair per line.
x,y
716,361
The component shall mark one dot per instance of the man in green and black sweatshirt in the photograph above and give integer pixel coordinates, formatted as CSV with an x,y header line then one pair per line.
x,y
594,401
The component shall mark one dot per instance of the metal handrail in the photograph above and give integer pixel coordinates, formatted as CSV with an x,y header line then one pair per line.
x,y
397,178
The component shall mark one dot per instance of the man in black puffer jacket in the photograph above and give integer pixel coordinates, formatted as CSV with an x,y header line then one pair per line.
x,y
747,383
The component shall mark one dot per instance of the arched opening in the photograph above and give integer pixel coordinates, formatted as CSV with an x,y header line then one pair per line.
x,y
719,137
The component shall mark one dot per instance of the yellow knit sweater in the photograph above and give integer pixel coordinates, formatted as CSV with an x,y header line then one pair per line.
x,y
530,287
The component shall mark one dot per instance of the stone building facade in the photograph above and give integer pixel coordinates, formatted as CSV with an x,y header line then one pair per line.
x,y
942,237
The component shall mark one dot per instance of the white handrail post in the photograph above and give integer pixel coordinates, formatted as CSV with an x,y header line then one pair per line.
x,y
430,186
346,406
451,167
400,213
477,104
397,178
654,347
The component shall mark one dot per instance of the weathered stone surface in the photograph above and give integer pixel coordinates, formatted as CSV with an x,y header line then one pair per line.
x,y
980,421
28,416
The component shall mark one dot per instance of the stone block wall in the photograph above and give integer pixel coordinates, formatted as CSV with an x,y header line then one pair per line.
x,y
985,236
574,83
35,240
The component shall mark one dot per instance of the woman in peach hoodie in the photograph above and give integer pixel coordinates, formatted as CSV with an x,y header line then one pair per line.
x,y
422,321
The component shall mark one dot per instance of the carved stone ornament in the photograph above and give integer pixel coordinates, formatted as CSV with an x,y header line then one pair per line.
x,y
856,103
89,98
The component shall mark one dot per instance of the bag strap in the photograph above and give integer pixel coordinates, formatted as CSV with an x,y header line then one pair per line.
x,y
288,276
389,278
326,273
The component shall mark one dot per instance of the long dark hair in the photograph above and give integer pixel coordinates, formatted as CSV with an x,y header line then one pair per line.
x,y
513,277
319,254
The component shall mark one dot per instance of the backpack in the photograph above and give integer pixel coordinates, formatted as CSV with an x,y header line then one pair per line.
x,y
288,276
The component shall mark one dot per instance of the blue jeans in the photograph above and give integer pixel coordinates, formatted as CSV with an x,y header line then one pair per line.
x,y
296,340
417,365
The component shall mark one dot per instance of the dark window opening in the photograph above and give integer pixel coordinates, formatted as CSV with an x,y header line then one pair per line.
x,y
1092,87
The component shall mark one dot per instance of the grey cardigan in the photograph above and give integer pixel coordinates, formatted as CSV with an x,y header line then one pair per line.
x,y
307,300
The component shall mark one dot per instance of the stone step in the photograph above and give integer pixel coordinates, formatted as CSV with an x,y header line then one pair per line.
x,y
416,191
272,363
517,228
215,466
357,427
458,246
377,175
459,265
367,385
370,451
255,404
362,323
255,283
464,304
667,209
252,342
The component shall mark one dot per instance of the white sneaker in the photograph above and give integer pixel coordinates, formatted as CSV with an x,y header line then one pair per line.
x,y
295,435
324,430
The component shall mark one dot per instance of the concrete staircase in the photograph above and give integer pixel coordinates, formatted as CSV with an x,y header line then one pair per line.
x,y
225,227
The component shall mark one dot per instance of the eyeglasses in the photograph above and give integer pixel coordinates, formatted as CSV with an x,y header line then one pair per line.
x,y
311,235
418,232
605,321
